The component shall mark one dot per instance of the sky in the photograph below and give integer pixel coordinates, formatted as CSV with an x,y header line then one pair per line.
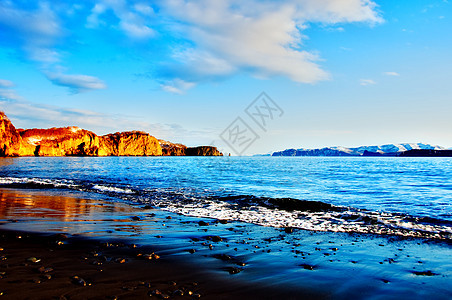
x,y
247,76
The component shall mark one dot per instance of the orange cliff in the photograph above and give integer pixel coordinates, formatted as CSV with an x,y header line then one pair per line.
x,y
11,143
74,141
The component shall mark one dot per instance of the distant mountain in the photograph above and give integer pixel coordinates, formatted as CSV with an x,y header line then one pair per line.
x,y
383,150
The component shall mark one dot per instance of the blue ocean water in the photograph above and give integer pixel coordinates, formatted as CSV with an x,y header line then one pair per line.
x,y
402,196
359,227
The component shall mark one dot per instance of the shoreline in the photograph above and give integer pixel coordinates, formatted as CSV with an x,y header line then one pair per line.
x,y
112,267
227,259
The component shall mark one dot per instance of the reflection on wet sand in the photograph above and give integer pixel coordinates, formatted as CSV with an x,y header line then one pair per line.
x,y
65,212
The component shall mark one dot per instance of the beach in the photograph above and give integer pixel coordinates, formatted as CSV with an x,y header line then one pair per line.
x,y
64,245
55,247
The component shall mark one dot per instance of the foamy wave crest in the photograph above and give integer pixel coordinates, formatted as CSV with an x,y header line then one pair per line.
x,y
112,189
317,216
275,212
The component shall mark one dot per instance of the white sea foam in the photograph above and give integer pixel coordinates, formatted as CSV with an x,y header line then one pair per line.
x,y
384,223
112,189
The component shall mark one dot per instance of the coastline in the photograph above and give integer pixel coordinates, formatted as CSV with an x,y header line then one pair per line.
x,y
78,261
226,259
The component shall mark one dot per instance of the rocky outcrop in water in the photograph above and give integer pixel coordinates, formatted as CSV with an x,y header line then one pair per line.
x,y
74,141
202,151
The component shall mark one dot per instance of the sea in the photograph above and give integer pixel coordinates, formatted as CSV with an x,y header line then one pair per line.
x,y
405,203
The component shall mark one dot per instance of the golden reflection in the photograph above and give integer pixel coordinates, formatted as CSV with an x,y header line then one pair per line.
x,y
38,204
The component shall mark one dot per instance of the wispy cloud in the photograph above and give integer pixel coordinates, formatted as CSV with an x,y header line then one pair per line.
x,y
6,90
6,83
25,114
391,73
77,83
132,17
365,82
37,29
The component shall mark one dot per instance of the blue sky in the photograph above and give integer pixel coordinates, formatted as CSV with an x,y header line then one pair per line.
x,y
345,72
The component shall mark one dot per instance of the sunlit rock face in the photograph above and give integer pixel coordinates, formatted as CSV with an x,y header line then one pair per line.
x,y
129,143
11,143
65,141
74,141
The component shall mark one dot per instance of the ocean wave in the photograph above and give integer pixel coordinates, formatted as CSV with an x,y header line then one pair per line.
x,y
264,211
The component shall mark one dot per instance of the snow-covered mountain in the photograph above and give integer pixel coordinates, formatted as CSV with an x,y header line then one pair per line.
x,y
389,149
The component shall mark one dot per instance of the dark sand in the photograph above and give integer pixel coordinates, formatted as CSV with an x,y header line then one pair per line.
x,y
91,236
52,265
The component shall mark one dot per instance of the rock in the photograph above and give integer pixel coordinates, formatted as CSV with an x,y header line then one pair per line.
x,y
178,293
172,149
33,259
135,218
79,281
308,267
74,141
44,270
203,151
215,239
151,256
288,229
65,141
424,273
11,143
233,270
129,143
120,260
192,251
202,223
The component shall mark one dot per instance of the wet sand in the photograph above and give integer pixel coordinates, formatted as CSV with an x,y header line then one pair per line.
x,y
93,236
73,260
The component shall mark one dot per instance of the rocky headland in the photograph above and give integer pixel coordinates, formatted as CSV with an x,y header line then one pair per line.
x,y
75,141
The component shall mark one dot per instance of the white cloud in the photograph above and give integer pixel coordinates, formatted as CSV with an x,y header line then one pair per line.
x,y
391,73
365,82
6,83
137,31
177,86
6,91
132,18
261,37
77,83
37,30
25,114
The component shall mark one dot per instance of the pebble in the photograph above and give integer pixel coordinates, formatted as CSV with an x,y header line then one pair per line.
x,y
33,260
79,281
151,256
424,273
35,280
120,260
308,267
178,293
192,251
288,230
233,270
44,270
202,223
135,218
215,239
